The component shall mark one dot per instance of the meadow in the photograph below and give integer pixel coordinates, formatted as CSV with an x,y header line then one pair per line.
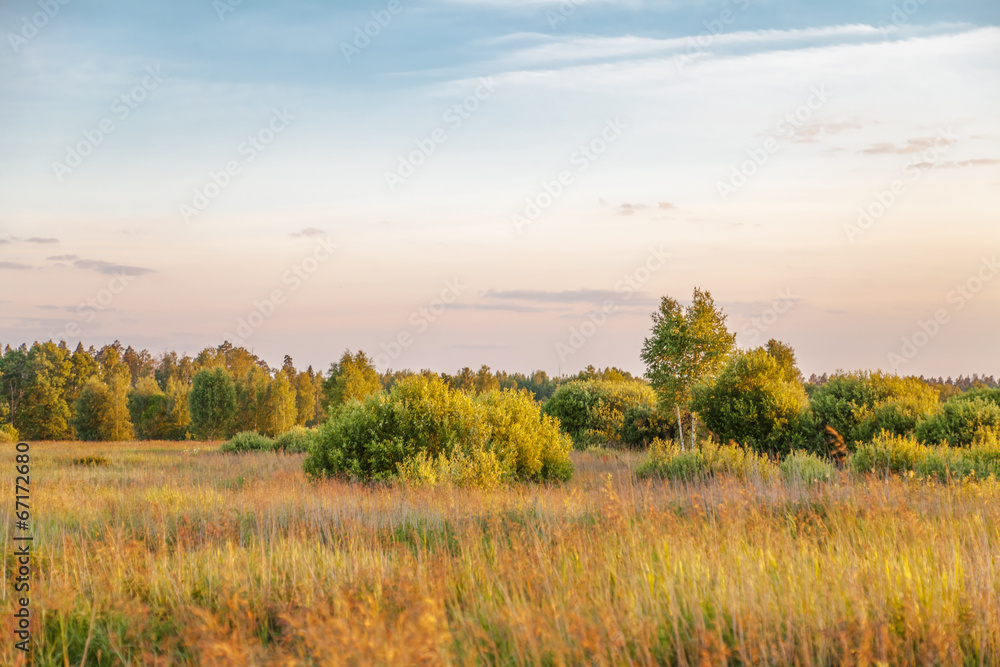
x,y
163,553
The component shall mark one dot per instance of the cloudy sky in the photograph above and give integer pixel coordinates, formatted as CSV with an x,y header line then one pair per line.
x,y
509,182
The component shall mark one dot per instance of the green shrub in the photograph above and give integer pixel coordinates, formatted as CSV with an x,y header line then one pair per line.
x,y
890,453
593,411
90,461
8,434
667,460
295,441
961,420
247,441
756,402
806,467
861,405
424,432
887,453
641,424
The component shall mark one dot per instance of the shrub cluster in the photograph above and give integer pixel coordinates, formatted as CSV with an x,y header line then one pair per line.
x,y
425,432
891,453
861,405
294,441
963,419
667,460
757,402
600,411
806,467
247,441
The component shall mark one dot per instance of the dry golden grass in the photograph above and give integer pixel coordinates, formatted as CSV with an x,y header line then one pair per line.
x,y
167,555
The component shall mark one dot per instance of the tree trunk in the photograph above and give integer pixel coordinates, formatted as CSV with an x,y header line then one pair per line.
x,y
680,427
694,433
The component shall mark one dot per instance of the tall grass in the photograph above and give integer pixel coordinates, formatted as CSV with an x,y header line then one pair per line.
x,y
168,555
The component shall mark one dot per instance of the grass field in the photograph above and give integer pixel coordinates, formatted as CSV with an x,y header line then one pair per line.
x,y
171,553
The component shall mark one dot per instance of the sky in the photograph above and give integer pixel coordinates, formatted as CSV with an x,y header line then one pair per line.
x,y
514,183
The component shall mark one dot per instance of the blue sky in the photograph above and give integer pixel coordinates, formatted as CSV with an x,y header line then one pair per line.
x,y
741,141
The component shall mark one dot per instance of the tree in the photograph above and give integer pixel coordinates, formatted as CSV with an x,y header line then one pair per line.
x,y
149,408
212,403
119,421
89,410
83,366
13,381
485,381
305,398
101,410
755,402
140,364
785,356
277,406
353,378
178,415
686,346
250,390
43,413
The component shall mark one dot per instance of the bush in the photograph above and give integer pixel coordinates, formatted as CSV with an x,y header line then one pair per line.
x,y
90,461
806,467
593,411
642,424
295,441
8,434
890,453
667,460
961,420
424,432
247,441
755,402
861,405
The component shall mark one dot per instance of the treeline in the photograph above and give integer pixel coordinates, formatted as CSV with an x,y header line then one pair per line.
x,y
48,392
947,387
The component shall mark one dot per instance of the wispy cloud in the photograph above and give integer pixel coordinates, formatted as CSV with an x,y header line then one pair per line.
x,y
589,48
912,146
109,268
308,232
15,266
565,296
62,258
510,307
975,162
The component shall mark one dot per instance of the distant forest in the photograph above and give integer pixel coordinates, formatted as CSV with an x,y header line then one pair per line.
x,y
48,392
